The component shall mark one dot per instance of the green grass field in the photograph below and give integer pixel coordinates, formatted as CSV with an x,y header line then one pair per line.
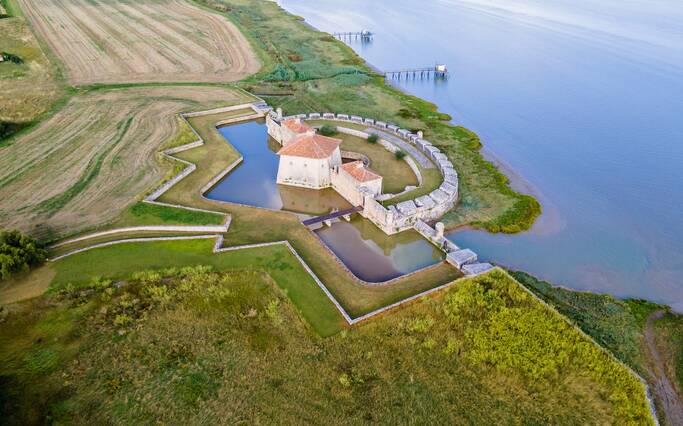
x,y
194,346
119,261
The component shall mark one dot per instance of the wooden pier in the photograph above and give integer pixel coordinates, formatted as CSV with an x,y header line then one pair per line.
x,y
437,71
364,35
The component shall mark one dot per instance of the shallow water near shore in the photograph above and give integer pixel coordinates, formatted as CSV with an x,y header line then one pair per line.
x,y
366,251
581,99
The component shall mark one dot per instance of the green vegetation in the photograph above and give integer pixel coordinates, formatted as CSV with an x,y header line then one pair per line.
x,y
669,338
615,324
328,130
372,138
633,330
190,345
396,176
18,253
119,261
328,76
400,154
183,136
11,58
141,214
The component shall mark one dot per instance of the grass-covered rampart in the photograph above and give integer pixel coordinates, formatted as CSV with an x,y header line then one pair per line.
x,y
191,345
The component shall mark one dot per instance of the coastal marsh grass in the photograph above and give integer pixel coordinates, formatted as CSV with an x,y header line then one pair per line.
x,y
621,326
191,345
615,324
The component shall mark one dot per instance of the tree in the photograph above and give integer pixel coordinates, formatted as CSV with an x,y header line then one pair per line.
x,y
18,252
373,138
400,154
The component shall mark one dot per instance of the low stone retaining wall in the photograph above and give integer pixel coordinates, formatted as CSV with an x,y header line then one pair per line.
x,y
355,156
160,228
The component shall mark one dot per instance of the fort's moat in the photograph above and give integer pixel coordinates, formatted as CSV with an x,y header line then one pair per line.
x,y
253,182
364,249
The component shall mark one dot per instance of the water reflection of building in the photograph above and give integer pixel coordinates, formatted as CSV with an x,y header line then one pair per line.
x,y
310,201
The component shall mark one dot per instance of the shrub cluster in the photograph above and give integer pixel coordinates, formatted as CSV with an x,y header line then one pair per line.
x,y
328,130
400,154
373,138
8,57
18,252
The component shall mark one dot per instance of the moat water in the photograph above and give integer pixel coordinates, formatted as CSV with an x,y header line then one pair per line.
x,y
365,250
581,102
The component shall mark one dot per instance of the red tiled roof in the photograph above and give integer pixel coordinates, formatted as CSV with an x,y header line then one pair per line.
x,y
358,171
311,146
296,125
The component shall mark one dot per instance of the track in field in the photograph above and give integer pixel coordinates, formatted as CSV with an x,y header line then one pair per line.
x,y
117,41
91,160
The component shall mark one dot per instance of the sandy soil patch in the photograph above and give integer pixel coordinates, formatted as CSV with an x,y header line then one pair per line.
x,y
83,166
114,41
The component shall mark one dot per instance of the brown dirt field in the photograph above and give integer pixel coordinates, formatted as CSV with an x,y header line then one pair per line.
x,y
86,164
112,41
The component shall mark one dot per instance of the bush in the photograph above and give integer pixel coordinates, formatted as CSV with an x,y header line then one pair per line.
x,y
400,154
11,58
328,130
373,138
18,252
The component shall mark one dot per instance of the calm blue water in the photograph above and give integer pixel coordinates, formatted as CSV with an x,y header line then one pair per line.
x,y
580,101
252,182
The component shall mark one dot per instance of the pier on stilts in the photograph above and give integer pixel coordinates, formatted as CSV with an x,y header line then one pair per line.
x,y
437,71
364,35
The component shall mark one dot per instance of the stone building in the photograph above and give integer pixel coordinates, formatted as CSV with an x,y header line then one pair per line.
x,y
286,131
354,182
307,160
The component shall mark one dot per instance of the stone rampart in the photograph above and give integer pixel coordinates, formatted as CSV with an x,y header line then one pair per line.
x,y
406,214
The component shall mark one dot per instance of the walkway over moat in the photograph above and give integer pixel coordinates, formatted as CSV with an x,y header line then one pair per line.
x,y
332,215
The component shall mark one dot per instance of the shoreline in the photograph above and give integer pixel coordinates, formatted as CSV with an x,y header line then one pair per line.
x,y
549,222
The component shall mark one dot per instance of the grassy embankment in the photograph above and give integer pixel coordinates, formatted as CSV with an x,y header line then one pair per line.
x,y
229,348
620,326
311,71
30,90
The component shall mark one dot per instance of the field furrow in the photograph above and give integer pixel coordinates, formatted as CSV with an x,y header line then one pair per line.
x,y
91,160
105,41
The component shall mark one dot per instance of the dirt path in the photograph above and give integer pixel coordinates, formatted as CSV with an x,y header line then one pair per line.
x,y
664,391
104,41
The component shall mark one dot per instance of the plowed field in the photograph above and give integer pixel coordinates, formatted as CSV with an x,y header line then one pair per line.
x,y
115,41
